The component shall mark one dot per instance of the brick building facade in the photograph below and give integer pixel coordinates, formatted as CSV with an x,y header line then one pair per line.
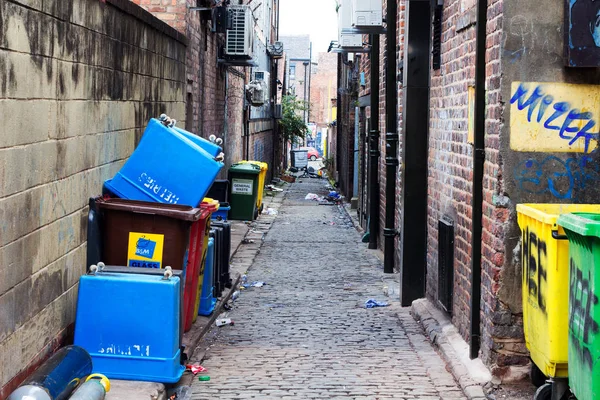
x,y
523,162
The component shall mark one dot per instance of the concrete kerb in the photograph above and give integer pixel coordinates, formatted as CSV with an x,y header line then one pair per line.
x,y
471,375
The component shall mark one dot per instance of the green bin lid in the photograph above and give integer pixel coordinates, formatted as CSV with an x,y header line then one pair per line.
x,y
245,168
585,224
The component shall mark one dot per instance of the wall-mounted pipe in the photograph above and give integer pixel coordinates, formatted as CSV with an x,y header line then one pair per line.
x,y
391,139
374,145
478,161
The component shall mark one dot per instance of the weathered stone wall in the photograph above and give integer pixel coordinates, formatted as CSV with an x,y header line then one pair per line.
x,y
78,82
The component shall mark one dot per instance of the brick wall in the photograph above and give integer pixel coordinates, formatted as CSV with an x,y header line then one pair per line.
x,y
450,155
80,80
323,88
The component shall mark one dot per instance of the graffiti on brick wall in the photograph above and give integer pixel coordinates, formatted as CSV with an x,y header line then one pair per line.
x,y
534,268
582,302
563,179
554,117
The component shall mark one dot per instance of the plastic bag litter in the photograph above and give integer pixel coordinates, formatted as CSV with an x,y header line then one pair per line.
x,y
372,303
271,211
312,196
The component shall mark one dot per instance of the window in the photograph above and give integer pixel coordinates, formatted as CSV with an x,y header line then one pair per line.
x,y
292,72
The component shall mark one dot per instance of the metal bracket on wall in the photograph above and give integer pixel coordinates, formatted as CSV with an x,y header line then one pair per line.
x,y
390,232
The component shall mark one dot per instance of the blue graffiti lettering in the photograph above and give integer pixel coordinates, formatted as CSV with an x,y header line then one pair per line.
x,y
567,131
561,178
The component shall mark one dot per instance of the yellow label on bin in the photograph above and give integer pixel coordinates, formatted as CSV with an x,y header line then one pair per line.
x,y
145,250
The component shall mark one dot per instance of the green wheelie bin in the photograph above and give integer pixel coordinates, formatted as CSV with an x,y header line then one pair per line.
x,y
583,232
243,194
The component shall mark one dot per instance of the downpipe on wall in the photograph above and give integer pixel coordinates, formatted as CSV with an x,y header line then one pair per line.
x,y
478,161
374,145
391,139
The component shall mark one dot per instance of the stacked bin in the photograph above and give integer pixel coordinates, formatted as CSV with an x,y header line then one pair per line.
x,y
166,167
207,300
545,287
212,207
583,232
262,177
151,235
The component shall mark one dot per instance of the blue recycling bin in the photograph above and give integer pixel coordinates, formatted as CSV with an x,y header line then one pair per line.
x,y
166,167
130,324
207,299
208,146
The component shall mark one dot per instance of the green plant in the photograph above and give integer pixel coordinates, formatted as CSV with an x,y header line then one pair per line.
x,y
292,126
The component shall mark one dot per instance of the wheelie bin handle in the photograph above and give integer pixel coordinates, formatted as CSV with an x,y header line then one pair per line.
x,y
558,236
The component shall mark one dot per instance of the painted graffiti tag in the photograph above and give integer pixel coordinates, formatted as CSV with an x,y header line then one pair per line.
x,y
582,300
561,178
534,268
572,124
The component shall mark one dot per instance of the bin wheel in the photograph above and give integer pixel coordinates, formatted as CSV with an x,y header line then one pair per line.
x,y
544,392
537,376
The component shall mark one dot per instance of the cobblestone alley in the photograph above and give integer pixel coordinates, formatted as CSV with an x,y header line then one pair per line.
x,y
306,334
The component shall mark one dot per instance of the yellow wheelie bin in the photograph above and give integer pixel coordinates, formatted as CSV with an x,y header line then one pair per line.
x,y
264,167
545,290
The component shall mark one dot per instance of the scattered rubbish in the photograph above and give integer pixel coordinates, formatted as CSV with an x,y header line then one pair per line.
x,y
180,393
312,196
348,286
326,203
247,241
270,211
386,291
204,378
334,195
372,303
274,189
244,278
235,295
254,284
224,321
228,306
195,368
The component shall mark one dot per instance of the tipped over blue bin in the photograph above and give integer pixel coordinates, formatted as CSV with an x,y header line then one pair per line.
x,y
166,167
208,146
207,299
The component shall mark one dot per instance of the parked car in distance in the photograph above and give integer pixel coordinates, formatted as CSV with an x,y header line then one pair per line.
x,y
313,154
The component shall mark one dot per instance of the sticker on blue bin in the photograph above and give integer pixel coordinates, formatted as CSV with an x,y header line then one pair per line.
x,y
242,186
145,250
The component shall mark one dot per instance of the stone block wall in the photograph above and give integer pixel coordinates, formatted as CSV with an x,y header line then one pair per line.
x,y
80,79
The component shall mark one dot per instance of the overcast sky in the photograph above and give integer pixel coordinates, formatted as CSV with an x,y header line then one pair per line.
x,y
314,17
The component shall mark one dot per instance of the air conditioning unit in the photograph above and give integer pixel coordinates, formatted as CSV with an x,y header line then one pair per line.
x,y
345,22
239,39
367,13
276,50
258,88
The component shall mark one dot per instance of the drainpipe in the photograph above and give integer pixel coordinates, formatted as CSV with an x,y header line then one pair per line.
x,y
374,145
478,161
391,139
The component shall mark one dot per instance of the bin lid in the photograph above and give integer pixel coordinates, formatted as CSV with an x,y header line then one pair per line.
x,y
548,213
585,224
185,213
245,168
210,204
263,165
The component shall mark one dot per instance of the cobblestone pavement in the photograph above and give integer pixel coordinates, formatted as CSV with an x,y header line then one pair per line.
x,y
306,333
